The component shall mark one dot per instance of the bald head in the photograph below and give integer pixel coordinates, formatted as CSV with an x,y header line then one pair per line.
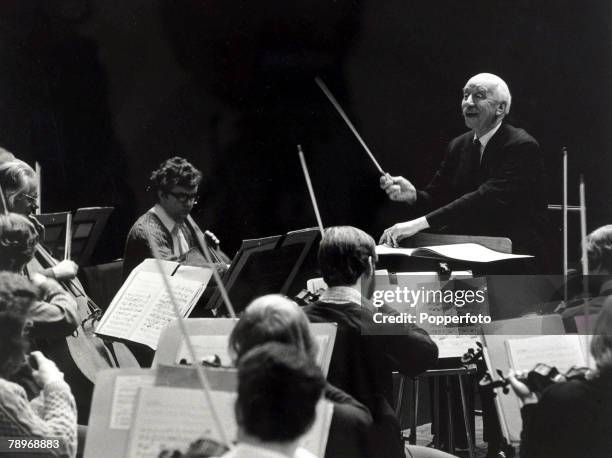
x,y
486,100
496,85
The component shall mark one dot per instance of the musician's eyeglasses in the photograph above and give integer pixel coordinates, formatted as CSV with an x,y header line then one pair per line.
x,y
32,199
183,197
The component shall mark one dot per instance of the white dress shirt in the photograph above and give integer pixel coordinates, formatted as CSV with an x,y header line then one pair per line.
x,y
179,242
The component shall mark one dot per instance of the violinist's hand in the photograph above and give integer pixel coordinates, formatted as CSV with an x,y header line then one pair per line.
x,y
520,389
399,231
65,270
46,371
398,189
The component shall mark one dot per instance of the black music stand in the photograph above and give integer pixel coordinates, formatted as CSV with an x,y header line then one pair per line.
x,y
271,265
87,227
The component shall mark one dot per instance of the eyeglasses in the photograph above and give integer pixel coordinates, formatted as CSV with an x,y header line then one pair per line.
x,y
32,200
183,197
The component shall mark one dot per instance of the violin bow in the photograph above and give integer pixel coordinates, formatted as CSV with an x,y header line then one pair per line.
x,y
565,229
585,261
68,240
38,170
4,208
190,348
313,199
348,122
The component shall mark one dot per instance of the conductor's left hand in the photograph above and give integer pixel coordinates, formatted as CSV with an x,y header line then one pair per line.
x,y
400,231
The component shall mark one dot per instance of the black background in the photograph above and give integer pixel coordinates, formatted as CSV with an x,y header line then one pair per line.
x,y
100,92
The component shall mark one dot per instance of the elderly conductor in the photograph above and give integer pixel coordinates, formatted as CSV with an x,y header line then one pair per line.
x,y
490,182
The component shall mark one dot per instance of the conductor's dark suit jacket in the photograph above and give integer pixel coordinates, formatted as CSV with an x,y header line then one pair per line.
x,y
505,197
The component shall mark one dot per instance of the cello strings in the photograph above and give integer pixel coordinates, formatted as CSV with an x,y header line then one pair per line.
x,y
217,277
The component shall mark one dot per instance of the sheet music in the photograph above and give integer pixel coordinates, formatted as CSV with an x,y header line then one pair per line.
x,y
142,308
124,398
561,351
205,346
161,311
316,439
167,418
200,274
470,252
322,342
455,346
172,418
126,309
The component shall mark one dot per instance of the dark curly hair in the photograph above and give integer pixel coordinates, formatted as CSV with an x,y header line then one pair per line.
x,y
18,238
175,171
17,294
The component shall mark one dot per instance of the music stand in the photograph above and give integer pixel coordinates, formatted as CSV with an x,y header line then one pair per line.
x,y
271,265
87,227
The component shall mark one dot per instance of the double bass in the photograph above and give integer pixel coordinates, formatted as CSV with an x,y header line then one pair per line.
x,y
80,355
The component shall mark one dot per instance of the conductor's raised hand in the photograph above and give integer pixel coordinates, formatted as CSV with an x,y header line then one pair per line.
x,y
394,234
398,188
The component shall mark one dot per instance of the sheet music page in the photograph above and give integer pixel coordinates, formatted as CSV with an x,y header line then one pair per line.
x,y
322,342
206,346
128,306
561,351
124,398
172,418
151,265
160,310
441,300
472,252
455,346
316,439
386,249
200,274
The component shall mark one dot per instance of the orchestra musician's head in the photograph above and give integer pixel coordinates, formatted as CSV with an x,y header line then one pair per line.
x,y
17,295
272,318
599,250
601,343
18,238
486,101
278,391
176,183
6,156
20,186
347,257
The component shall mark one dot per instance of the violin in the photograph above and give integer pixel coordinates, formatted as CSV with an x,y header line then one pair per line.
x,y
537,379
